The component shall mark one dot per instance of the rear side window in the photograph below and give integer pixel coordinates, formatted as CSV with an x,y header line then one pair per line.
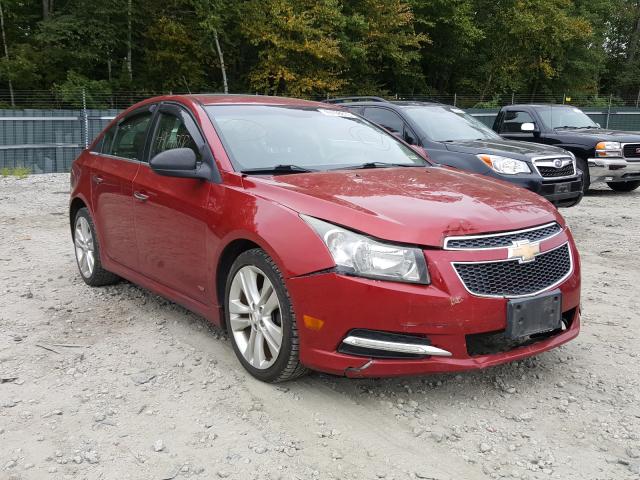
x,y
513,120
173,133
130,137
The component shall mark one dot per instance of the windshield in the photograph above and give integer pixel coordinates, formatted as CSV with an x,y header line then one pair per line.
x,y
445,124
314,138
568,117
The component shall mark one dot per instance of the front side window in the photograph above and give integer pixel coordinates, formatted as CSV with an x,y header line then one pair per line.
x,y
513,120
130,137
107,140
265,136
446,124
172,133
385,118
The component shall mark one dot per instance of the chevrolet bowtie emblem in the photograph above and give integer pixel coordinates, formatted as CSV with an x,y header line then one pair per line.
x,y
524,251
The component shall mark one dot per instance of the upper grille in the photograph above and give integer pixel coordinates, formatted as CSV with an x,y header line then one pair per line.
x,y
501,240
553,172
629,150
510,278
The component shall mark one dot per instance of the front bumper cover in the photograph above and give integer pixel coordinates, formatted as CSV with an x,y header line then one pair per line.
x,y
613,170
443,312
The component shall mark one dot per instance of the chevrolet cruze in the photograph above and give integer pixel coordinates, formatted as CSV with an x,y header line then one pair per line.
x,y
320,241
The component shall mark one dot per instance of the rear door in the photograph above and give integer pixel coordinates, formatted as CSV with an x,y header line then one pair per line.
x,y
171,213
113,167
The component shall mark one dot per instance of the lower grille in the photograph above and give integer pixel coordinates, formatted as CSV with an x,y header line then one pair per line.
x,y
631,150
497,342
510,278
553,172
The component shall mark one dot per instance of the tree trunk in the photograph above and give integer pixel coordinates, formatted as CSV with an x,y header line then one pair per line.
x,y
129,67
6,55
635,37
221,57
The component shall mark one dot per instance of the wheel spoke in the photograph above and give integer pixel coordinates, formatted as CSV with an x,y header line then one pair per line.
x,y
271,303
249,350
258,350
239,323
90,261
273,335
238,308
86,232
78,241
267,291
249,285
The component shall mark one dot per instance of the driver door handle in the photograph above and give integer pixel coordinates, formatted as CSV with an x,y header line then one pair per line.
x,y
97,179
140,196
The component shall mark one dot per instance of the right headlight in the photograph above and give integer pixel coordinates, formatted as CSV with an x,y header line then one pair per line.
x,y
505,165
608,149
362,256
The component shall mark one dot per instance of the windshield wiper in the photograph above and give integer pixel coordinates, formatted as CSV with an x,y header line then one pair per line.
x,y
378,165
569,127
288,168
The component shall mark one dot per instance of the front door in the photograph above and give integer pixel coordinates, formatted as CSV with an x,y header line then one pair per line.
x,y
112,171
171,213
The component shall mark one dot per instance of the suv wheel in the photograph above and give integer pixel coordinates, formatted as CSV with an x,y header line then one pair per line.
x,y
260,319
623,186
586,178
87,250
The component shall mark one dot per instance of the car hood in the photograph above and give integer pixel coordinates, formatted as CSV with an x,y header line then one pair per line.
x,y
511,148
410,205
602,134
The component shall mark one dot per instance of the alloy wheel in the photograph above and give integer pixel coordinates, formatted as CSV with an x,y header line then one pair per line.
x,y
84,246
255,317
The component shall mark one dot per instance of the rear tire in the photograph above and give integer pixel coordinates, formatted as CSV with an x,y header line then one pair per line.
x,y
87,250
623,186
260,319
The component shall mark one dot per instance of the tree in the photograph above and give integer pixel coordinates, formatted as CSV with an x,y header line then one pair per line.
x,y
298,51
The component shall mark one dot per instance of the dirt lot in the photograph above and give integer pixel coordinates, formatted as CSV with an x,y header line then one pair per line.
x,y
117,383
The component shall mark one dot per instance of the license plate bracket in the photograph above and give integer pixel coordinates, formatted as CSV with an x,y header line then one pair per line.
x,y
539,314
562,188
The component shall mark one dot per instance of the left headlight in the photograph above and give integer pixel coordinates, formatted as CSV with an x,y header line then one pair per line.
x,y
506,165
362,256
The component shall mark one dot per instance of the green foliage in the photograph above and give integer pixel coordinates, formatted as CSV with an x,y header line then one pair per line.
x,y
18,172
319,47
71,90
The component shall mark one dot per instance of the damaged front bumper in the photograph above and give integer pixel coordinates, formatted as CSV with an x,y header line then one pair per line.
x,y
613,170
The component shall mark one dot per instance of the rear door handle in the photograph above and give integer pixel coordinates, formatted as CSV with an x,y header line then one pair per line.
x,y
140,196
97,179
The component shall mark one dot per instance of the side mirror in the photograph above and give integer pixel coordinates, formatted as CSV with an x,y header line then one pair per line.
x,y
528,127
178,162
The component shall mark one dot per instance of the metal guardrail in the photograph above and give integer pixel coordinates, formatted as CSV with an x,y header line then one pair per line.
x,y
47,141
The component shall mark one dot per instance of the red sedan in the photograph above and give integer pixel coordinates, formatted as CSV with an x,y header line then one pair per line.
x,y
319,241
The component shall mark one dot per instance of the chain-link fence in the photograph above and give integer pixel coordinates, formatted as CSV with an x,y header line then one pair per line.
x,y
45,131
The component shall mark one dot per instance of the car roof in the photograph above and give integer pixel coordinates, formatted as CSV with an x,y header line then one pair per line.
x,y
236,99
536,105
392,103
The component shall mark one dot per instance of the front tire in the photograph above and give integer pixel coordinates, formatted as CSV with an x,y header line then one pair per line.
x,y
586,177
623,186
260,319
87,250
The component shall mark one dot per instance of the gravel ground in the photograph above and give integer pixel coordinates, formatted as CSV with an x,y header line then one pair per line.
x,y
117,383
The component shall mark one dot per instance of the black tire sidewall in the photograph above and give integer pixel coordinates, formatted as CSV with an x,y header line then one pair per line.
x,y
628,186
261,260
586,177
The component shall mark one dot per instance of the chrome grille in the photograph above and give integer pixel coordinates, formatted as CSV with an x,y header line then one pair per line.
x,y
510,278
553,172
502,240
629,150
